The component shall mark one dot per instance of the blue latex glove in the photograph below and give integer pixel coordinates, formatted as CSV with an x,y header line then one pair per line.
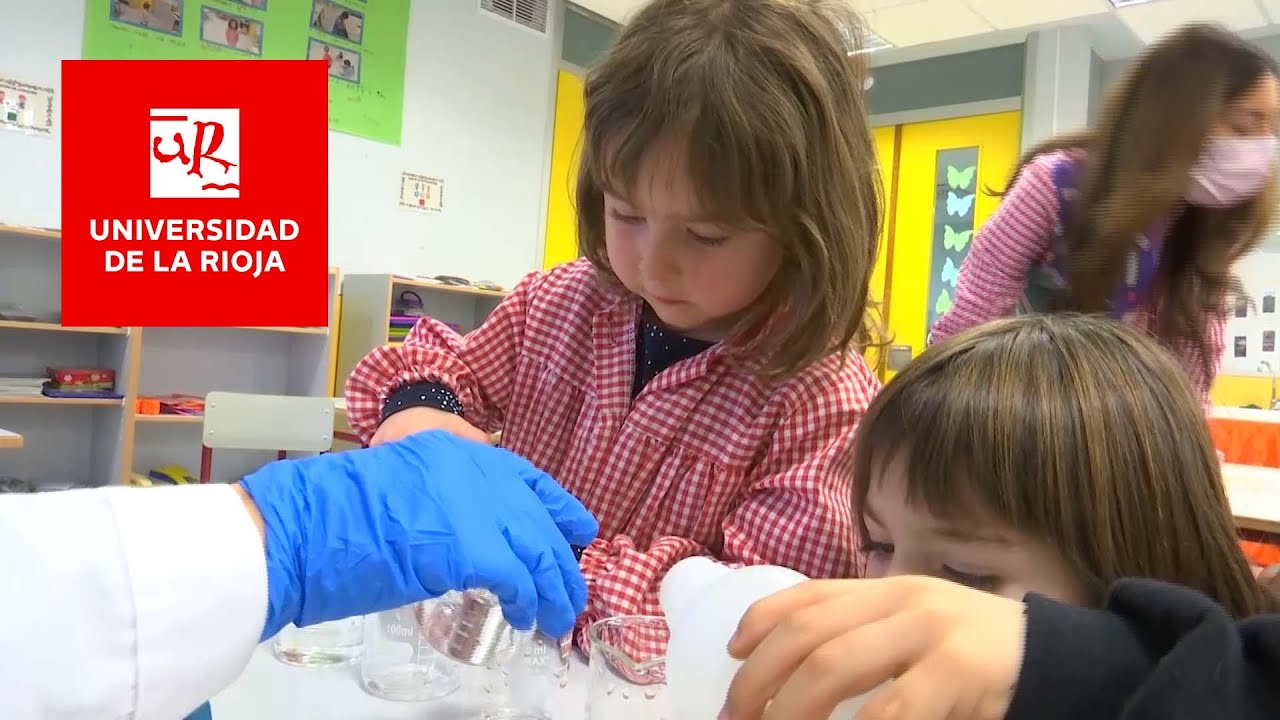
x,y
362,531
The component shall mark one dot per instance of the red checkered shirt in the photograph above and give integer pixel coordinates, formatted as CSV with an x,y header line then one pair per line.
x,y
707,459
1019,235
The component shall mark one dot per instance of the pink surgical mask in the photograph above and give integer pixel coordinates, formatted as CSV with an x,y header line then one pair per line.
x,y
1231,170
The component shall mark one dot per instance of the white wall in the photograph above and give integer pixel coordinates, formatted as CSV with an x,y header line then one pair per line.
x,y
1260,277
478,111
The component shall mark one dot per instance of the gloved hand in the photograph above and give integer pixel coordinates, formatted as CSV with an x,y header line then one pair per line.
x,y
362,531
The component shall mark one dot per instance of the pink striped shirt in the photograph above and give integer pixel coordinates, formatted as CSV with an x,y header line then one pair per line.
x,y
1018,238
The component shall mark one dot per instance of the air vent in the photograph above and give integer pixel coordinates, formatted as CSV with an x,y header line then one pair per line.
x,y
528,13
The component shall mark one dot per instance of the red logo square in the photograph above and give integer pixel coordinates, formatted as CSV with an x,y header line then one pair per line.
x,y
195,192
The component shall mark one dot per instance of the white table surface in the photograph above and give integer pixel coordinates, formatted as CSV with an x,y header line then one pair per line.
x,y
270,690
1236,413
1254,494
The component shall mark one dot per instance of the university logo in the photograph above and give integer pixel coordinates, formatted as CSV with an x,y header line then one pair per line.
x,y
201,198
195,153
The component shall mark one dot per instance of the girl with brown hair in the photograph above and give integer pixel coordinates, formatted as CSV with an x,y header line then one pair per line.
x,y
1055,454
696,377
1142,216
1037,458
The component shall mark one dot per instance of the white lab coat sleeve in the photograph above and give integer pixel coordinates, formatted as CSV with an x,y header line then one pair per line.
x,y
125,603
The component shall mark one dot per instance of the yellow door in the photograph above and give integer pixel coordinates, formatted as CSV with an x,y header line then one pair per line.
x,y
945,169
561,243
886,147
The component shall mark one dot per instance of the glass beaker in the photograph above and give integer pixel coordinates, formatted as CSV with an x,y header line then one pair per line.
x,y
469,627
398,663
526,684
333,643
628,669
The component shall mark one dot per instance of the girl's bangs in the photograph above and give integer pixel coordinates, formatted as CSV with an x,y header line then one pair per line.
x,y
737,173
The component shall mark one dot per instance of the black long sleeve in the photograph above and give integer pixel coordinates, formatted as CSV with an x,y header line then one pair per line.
x,y
1155,652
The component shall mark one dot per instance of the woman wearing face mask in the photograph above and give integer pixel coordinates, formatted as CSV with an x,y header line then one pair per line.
x,y
1142,216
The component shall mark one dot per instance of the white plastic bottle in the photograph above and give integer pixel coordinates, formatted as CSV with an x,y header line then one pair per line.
x,y
703,602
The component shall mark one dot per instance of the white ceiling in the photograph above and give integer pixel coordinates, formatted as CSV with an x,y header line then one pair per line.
x,y
926,28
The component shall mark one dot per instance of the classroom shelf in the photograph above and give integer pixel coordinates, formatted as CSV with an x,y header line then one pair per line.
x,y
169,419
107,441
294,330
434,286
367,303
30,232
10,440
44,400
66,441
197,361
55,327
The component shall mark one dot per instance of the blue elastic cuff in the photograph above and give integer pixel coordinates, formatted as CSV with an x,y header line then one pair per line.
x,y
422,394
272,490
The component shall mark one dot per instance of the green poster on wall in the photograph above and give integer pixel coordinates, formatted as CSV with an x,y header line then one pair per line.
x,y
363,43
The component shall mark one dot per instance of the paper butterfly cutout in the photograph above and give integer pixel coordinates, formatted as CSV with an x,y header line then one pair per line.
x,y
960,179
953,240
957,205
950,274
943,303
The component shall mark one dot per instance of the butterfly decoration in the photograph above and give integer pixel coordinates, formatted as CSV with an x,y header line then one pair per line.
x,y
950,273
960,179
958,205
955,240
943,303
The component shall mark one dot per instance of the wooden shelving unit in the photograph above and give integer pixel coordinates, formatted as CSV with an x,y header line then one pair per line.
x,y
76,441
367,301
196,361
42,400
55,327
103,440
30,233
10,440
168,419
290,330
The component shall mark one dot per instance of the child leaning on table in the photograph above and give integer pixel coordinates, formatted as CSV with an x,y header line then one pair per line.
x,y
1048,454
694,379
1041,459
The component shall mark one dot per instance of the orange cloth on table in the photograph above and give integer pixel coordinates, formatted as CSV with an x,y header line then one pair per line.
x,y
1245,442
1261,554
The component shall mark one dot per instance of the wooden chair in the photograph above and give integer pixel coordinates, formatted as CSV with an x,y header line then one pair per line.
x,y
247,421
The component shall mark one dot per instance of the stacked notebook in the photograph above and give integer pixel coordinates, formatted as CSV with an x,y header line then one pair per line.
x,y
400,326
22,386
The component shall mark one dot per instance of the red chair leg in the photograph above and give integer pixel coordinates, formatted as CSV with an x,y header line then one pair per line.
x,y
206,463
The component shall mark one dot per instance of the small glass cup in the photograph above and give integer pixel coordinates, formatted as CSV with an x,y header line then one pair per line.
x,y
628,669
399,663
469,627
526,684
327,644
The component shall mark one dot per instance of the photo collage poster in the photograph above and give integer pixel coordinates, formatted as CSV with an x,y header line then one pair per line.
x,y
363,42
